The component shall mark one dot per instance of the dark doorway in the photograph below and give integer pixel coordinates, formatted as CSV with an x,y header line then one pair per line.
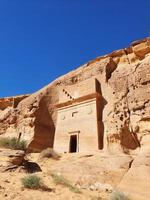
x,y
73,144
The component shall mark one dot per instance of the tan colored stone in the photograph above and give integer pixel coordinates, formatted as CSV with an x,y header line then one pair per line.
x,y
9,158
79,125
124,79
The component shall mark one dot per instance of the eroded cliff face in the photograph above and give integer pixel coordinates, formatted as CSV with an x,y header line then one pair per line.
x,y
8,113
124,76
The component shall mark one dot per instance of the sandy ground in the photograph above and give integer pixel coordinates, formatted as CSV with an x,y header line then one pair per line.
x,y
81,170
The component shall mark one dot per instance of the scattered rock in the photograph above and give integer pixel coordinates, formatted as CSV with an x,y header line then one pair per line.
x,y
99,187
11,159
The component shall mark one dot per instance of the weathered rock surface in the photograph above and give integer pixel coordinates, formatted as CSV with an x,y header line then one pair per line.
x,y
136,181
124,76
8,113
10,159
105,169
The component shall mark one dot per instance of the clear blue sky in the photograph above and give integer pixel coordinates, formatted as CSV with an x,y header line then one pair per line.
x,y
43,39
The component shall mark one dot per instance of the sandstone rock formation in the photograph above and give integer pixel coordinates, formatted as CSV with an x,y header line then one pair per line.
x,y
10,159
124,78
8,110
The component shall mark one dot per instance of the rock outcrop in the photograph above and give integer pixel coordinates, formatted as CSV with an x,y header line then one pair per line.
x,y
10,159
124,76
8,113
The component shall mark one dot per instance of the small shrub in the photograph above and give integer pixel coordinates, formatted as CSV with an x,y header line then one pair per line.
x,y
118,195
4,142
13,143
32,182
60,180
49,153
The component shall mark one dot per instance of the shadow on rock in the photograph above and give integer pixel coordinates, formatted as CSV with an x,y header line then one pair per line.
x,y
31,167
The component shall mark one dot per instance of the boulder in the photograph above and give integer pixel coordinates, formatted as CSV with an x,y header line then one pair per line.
x,y
11,158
